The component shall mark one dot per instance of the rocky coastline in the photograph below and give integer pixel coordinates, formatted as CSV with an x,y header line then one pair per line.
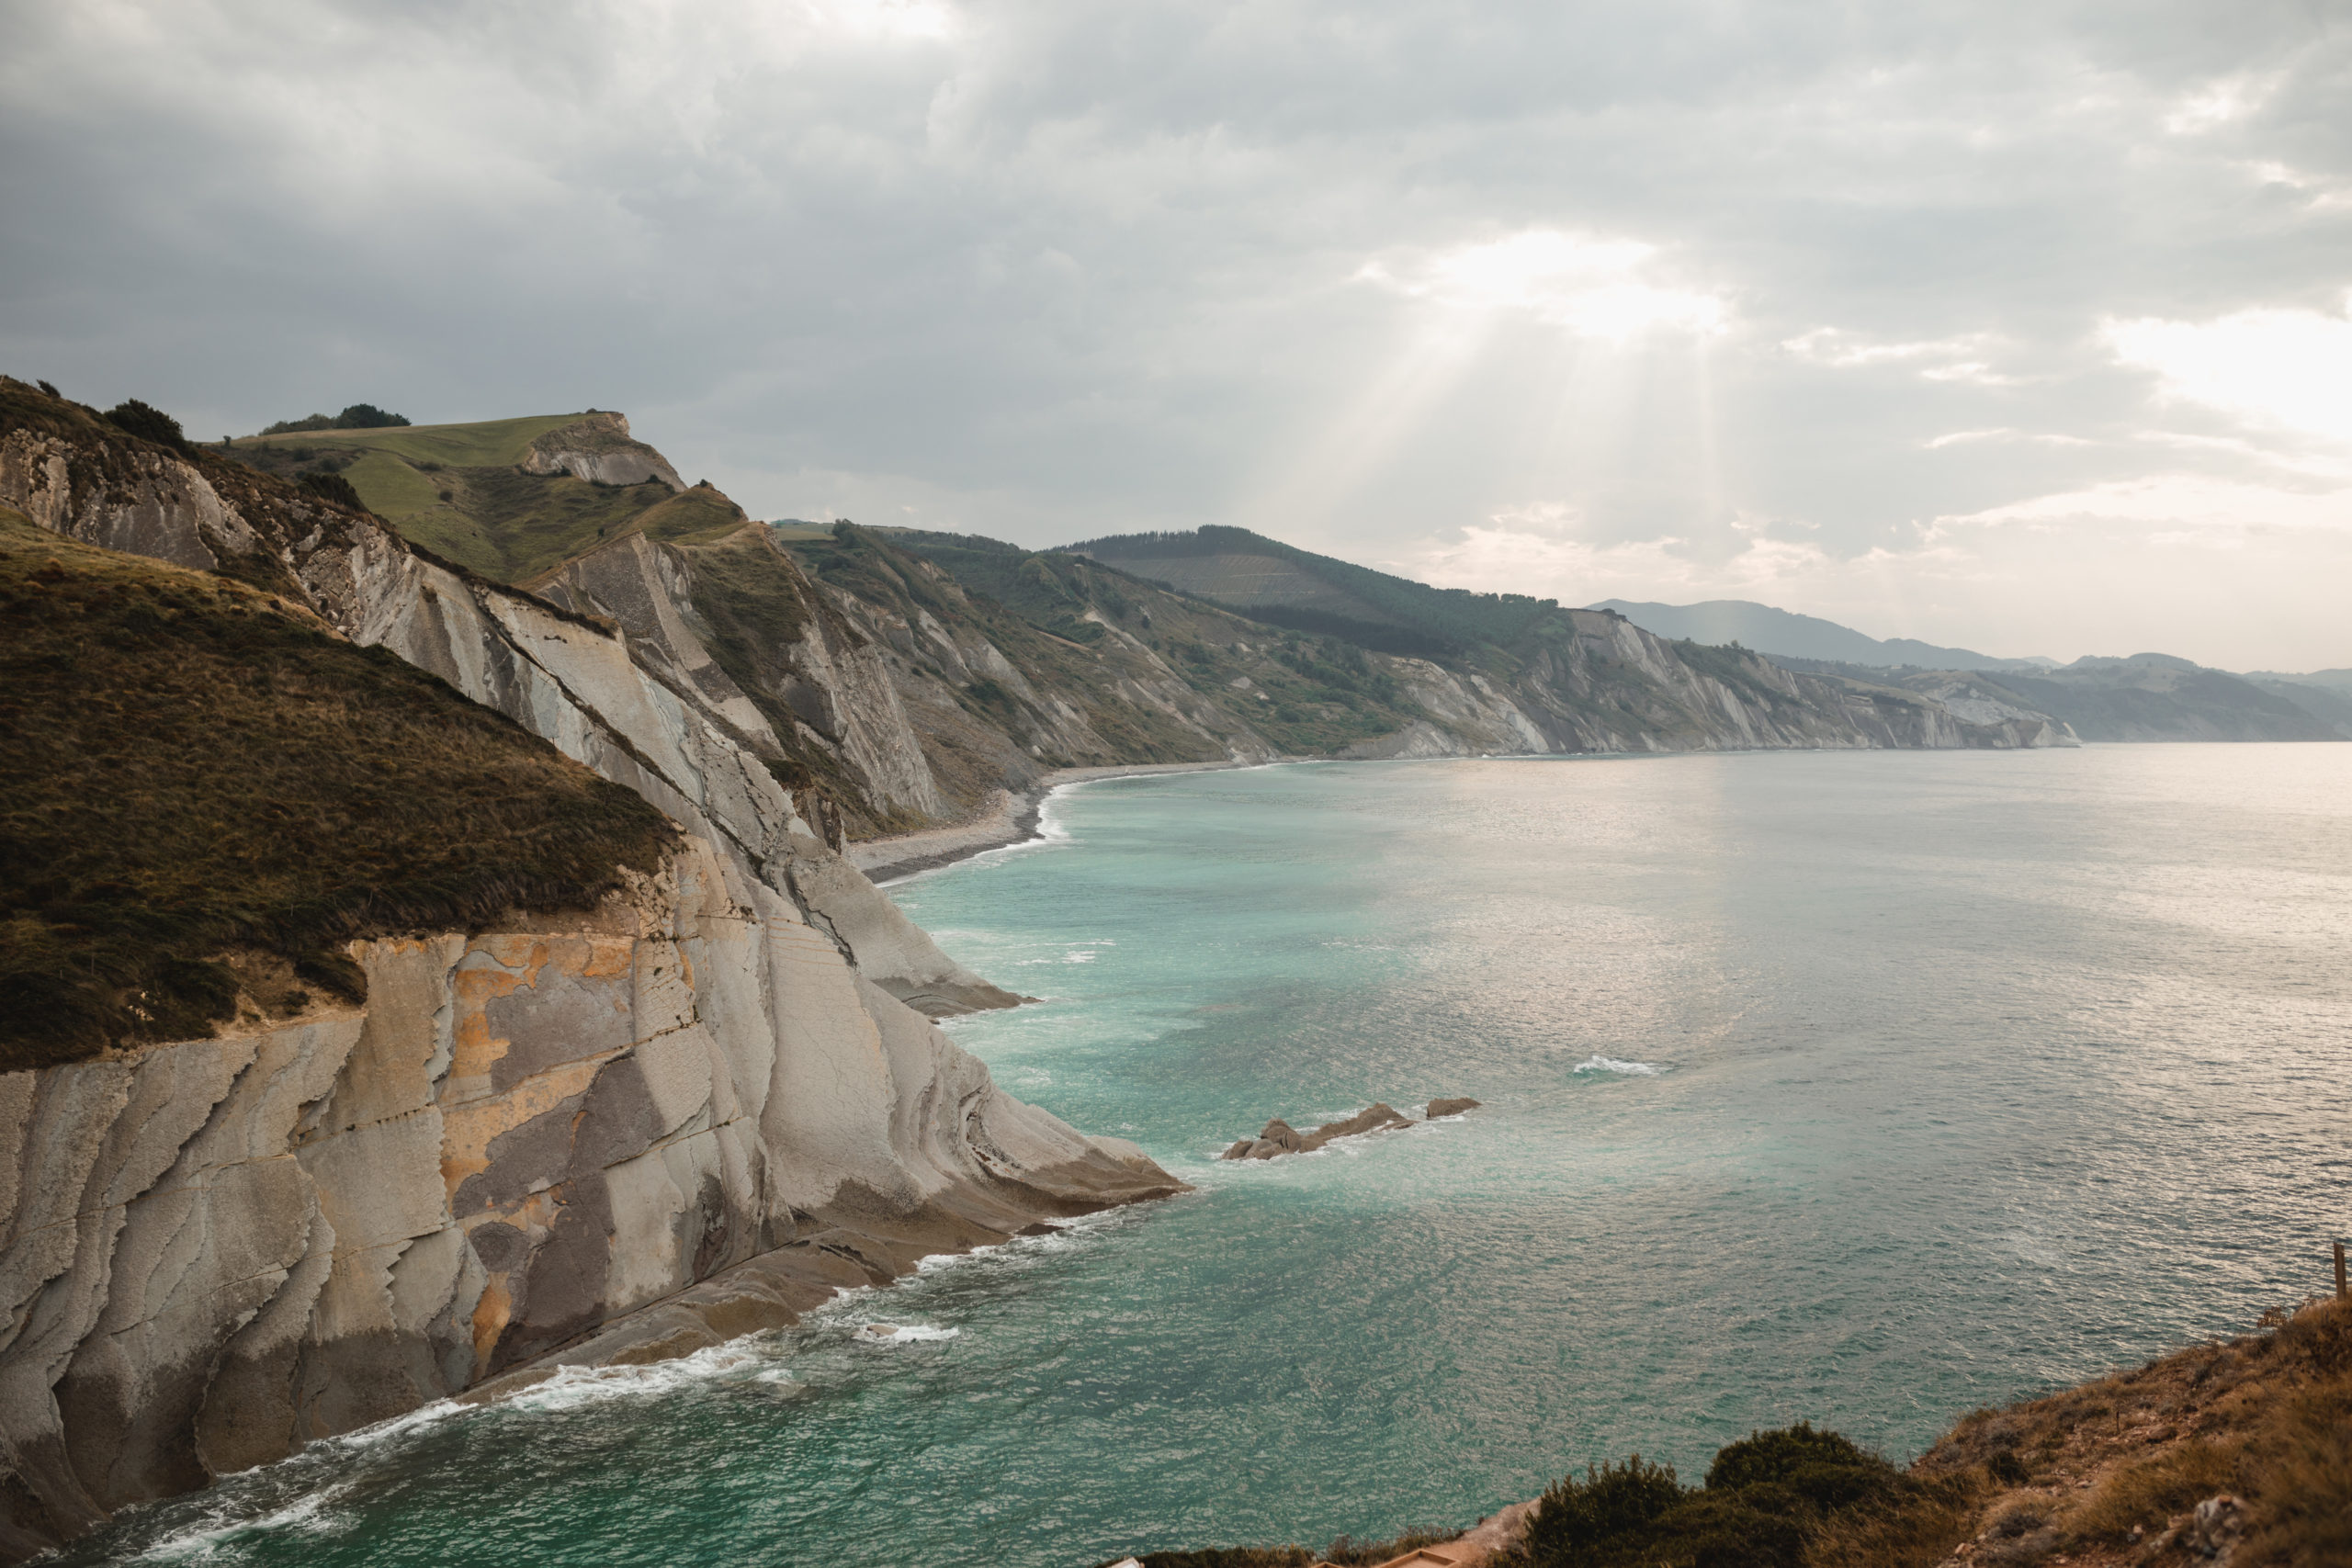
x,y
1007,819
614,1130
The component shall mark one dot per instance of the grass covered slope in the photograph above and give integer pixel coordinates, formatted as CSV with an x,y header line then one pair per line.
x,y
467,492
1287,586
495,443
1078,630
204,792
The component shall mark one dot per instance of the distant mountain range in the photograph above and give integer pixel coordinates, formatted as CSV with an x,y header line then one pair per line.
x,y
1773,631
1223,666
2148,696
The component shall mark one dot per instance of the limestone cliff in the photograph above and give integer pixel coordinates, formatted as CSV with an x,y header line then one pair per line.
x,y
1007,660
688,1102
1597,682
598,447
620,1133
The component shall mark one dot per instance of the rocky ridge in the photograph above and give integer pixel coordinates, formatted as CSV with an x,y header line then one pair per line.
x,y
620,1133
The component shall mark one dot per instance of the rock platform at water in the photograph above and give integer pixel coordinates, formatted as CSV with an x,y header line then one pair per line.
x,y
1280,1137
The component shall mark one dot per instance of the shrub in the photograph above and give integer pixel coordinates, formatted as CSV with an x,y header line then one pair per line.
x,y
358,416
148,422
1782,1455
331,487
1610,1502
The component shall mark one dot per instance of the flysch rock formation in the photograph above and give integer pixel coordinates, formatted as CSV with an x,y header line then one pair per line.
x,y
1578,695
683,1115
831,685
598,447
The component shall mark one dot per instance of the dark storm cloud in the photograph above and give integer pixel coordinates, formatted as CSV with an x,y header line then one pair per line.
x,y
1811,304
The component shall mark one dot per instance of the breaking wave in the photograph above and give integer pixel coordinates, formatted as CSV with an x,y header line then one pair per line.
x,y
1599,1064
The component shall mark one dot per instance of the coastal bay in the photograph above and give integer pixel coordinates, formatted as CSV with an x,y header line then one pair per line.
x,y
1858,1088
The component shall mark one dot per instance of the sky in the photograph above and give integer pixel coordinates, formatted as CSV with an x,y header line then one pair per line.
x,y
2018,327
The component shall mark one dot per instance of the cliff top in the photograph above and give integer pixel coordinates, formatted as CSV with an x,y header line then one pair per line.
x,y
494,442
204,792
510,499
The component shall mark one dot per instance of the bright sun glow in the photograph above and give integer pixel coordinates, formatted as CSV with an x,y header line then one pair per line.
x,y
2290,366
1588,286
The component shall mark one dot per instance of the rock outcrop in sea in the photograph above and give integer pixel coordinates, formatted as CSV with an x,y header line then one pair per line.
x,y
1279,1137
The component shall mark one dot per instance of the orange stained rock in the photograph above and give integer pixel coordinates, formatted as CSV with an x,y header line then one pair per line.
x,y
524,959
491,1316
468,1128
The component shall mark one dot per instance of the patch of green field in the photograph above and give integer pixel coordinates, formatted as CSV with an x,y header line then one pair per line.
x,y
509,526
698,516
391,489
206,792
458,490
494,443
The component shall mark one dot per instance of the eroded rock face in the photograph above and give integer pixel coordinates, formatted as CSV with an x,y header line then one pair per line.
x,y
683,1117
598,447
1614,687
690,1102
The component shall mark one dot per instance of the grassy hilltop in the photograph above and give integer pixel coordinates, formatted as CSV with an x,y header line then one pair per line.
x,y
462,491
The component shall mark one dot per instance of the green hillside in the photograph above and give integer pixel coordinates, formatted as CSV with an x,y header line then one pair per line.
x,y
1050,613
494,443
1285,585
460,491
206,792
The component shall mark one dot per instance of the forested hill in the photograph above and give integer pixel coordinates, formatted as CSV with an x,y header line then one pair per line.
x,y
1285,586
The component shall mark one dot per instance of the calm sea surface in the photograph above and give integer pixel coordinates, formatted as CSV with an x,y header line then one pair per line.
x,y
1864,1089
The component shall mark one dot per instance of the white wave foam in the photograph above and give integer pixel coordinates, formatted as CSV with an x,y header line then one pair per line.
x,y
307,1515
572,1387
1599,1064
902,1333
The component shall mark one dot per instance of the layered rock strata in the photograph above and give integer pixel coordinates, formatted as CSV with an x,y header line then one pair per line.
x,y
598,447
624,1134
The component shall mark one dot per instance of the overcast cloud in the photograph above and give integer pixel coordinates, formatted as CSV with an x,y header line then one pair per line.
x,y
2017,326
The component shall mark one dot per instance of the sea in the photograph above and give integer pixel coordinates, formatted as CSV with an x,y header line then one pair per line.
x,y
1862,1089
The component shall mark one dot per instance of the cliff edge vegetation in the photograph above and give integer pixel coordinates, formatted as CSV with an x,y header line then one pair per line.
x,y
205,793
2237,1452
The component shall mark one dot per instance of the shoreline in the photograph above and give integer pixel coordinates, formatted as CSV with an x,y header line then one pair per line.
x,y
1010,819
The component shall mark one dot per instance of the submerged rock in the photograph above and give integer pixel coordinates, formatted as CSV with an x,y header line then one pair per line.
x,y
1279,1137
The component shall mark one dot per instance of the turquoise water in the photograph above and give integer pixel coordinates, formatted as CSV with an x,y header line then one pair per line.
x,y
1863,1088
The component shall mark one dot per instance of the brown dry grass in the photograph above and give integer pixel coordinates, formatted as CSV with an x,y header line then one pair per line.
x,y
2101,1476
194,771
2116,1464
